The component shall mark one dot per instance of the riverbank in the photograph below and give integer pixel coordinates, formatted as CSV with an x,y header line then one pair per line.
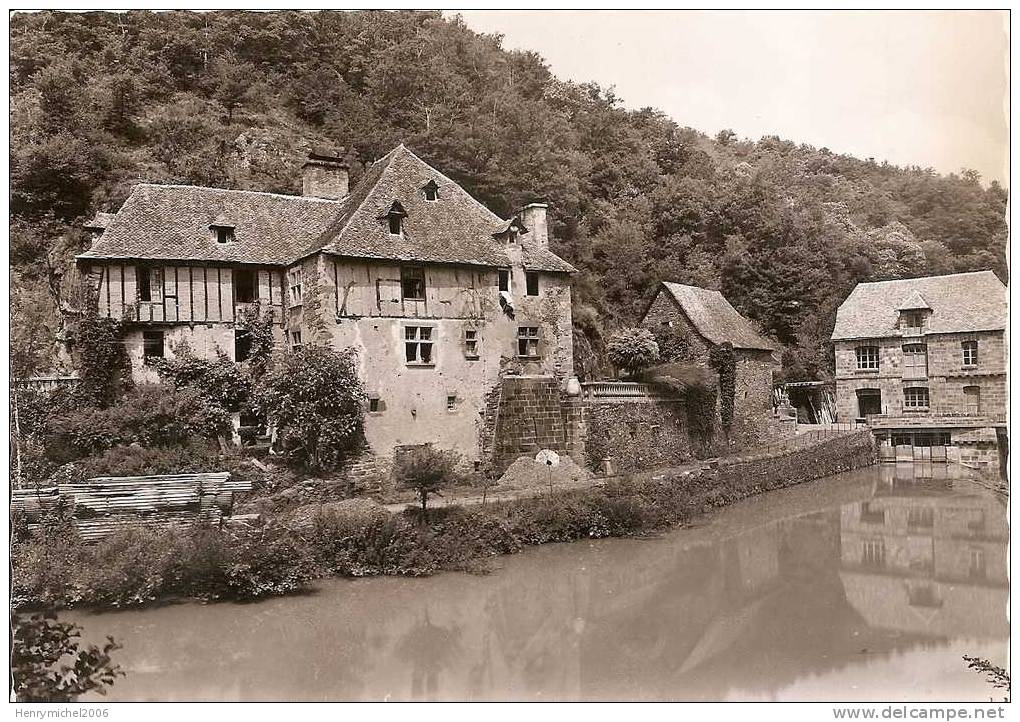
x,y
145,566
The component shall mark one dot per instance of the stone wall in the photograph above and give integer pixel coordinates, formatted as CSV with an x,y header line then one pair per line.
x,y
831,456
530,418
637,435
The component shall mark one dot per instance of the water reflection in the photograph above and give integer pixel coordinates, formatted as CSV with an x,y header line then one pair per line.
x,y
830,589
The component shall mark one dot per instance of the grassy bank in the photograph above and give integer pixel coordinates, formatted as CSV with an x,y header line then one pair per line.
x,y
52,568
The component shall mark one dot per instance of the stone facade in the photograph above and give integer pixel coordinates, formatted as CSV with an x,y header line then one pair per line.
x,y
637,434
752,403
945,377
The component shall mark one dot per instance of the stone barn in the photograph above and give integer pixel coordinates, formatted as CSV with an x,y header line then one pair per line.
x,y
689,321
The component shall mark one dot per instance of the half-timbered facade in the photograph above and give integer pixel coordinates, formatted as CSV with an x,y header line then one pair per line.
x,y
438,294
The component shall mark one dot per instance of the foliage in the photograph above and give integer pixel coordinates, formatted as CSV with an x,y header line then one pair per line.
x,y
633,349
426,470
150,415
192,455
142,565
996,676
49,665
724,361
101,358
784,230
257,321
220,381
314,397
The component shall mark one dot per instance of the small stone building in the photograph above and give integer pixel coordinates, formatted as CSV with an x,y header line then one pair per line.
x,y
923,360
438,295
689,321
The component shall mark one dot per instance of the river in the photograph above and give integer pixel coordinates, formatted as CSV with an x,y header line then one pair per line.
x,y
869,585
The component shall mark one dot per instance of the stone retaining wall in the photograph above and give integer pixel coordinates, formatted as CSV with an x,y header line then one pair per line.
x,y
831,456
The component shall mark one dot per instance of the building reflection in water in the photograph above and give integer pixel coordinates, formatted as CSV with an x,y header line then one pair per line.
x,y
809,583
921,556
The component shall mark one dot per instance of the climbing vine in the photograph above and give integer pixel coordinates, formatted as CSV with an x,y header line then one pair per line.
x,y
258,322
101,357
723,359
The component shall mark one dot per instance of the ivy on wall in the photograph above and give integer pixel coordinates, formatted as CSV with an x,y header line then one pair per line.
x,y
723,359
101,357
258,322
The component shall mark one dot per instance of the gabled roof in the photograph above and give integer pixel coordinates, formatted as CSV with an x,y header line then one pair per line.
x,y
455,228
172,222
715,319
100,221
959,303
914,302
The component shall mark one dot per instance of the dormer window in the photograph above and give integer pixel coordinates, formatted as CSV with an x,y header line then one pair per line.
x,y
394,218
222,234
431,191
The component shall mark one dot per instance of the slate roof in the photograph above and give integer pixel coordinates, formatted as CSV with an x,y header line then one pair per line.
x,y
715,319
455,228
959,303
171,222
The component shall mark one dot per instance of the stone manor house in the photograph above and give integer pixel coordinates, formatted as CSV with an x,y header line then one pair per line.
x,y
436,292
923,360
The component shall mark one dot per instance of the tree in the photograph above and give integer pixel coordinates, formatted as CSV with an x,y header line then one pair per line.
x,y
49,665
426,470
633,349
314,397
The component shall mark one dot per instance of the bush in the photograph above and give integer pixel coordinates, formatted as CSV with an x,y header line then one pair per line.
x,y
314,397
425,470
267,562
222,382
633,349
194,455
152,415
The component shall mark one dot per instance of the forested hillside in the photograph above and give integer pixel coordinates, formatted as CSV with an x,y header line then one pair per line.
x,y
101,101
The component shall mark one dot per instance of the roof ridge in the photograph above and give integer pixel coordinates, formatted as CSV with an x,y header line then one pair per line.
x,y
237,190
925,278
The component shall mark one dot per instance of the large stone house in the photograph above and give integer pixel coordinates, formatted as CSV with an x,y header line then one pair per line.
x,y
705,319
436,293
924,359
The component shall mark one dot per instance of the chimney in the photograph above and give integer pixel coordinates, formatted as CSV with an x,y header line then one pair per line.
x,y
533,218
325,176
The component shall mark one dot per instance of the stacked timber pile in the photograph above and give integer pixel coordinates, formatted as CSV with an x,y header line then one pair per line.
x,y
104,504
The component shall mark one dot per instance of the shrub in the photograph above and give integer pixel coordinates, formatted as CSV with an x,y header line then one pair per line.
x,y
425,470
314,397
193,455
267,561
49,665
220,381
633,349
125,569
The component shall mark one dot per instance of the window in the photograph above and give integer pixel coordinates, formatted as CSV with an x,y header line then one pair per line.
x,y
867,357
418,342
412,283
223,234
296,289
921,517
148,283
246,287
504,280
977,563
295,340
870,515
242,344
374,405
451,402
395,225
970,353
471,343
431,191
972,399
912,321
873,553
527,341
395,218
531,278
915,398
152,345
915,361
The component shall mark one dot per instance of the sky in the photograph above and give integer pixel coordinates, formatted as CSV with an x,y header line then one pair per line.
x,y
926,88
